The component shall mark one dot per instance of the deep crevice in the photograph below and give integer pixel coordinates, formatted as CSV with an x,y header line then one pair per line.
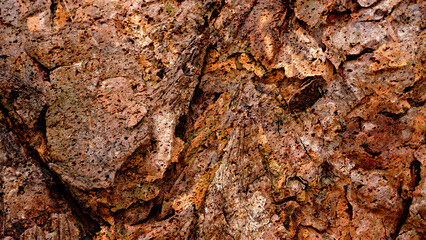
x,y
184,122
348,210
180,129
153,214
40,124
403,218
309,93
394,116
215,9
287,199
356,56
415,171
87,223
371,152
53,7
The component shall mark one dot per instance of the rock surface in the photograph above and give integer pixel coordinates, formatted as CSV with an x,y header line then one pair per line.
x,y
258,119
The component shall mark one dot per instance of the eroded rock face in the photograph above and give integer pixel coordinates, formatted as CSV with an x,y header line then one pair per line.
x,y
212,119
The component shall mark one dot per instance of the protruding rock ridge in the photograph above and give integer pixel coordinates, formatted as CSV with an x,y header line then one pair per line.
x,y
212,119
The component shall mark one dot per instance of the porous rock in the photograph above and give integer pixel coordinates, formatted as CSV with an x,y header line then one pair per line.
x,y
212,119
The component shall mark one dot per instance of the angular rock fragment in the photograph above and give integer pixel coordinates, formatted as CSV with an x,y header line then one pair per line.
x,y
302,57
352,39
312,12
308,94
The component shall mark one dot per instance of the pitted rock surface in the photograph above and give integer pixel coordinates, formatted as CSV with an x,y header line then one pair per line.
x,y
217,119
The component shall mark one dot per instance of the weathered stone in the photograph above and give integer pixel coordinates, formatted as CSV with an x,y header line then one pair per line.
x,y
212,119
33,206
312,12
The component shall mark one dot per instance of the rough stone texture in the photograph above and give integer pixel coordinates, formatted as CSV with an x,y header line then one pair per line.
x,y
217,119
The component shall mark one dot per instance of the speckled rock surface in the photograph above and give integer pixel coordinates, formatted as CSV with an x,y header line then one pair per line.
x,y
217,119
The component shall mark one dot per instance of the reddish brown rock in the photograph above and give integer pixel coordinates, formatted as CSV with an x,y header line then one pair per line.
x,y
212,119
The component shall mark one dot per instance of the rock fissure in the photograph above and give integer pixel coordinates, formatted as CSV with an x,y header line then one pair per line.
x,y
86,222
415,170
